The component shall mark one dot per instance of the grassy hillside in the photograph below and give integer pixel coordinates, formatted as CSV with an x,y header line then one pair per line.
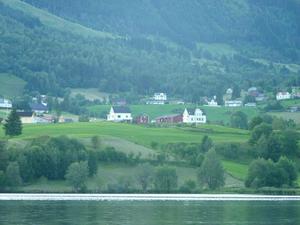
x,y
11,86
56,22
214,114
137,134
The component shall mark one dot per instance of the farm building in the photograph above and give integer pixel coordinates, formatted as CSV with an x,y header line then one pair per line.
x,y
174,118
158,99
283,95
119,114
233,103
26,117
38,108
193,116
142,119
5,103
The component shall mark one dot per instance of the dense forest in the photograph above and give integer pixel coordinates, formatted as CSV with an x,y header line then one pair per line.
x,y
187,49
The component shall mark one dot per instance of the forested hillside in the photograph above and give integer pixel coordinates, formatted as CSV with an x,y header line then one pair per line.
x,y
186,48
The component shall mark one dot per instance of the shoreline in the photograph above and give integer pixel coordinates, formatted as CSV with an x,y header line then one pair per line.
x,y
145,197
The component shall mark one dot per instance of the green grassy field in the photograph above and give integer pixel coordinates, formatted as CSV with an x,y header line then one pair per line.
x,y
214,114
90,93
290,102
235,169
11,86
288,115
137,134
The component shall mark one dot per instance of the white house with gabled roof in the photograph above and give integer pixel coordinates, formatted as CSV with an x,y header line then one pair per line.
x,y
193,116
5,103
119,114
283,95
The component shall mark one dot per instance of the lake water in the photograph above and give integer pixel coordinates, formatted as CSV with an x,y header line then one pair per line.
x,y
139,212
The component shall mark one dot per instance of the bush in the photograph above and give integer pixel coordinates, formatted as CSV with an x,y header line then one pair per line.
x,y
165,179
266,173
110,154
188,186
13,177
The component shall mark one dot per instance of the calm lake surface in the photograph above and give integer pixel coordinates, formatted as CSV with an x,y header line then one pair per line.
x,y
149,212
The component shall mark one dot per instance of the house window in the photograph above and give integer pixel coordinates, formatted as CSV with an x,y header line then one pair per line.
x,y
119,116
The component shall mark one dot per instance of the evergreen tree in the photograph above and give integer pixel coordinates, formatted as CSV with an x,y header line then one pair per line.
x,y
13,125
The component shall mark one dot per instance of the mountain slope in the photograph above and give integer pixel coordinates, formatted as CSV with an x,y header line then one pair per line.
x,y
141,47
267,23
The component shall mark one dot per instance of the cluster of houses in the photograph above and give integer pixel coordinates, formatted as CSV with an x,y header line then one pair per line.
x,y
38,111
284,95
123,114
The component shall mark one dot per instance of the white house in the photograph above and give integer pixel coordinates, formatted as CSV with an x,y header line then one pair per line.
x,y
193,116
158,99
283,96
5,103
213,102
119,114
160,96
233,103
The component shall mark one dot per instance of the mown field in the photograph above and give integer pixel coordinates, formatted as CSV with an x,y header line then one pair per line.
x,y
135,133
214,114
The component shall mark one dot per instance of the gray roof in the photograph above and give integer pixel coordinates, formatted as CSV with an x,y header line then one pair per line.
x,y
38,107
121,109
191,111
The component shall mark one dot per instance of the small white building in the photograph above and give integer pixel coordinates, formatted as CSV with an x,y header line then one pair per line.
x,y
160,97
229,91
250,104
193,116
157,99
213,102
283,95
233,103
5,103
119,114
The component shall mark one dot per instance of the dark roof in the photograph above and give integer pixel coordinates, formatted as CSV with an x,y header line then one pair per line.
x,y
24,114
38,107
121,109
168,116
191,111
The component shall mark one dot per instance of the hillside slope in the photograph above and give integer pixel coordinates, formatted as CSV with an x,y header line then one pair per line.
x,y
187,49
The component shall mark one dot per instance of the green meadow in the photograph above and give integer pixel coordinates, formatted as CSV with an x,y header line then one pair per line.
x,y
142,135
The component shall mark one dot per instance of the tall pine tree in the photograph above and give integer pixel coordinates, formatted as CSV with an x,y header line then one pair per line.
x,y
13,125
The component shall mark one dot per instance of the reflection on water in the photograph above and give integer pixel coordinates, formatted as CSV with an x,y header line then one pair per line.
x,y
148,212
